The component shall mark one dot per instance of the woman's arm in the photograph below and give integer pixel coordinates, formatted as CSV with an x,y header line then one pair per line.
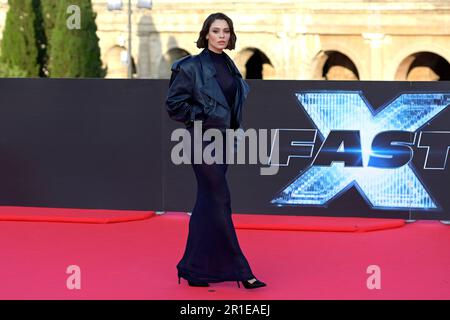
x,y
179,95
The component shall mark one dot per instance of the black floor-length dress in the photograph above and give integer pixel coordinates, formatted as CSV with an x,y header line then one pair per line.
x,y
212,252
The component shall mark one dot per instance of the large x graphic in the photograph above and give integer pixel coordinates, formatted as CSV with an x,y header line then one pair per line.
x,y
398,188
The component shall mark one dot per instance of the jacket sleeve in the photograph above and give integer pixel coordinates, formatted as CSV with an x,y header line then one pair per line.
x,y
179,95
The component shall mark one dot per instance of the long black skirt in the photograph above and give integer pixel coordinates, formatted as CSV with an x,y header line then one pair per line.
x,y
212,252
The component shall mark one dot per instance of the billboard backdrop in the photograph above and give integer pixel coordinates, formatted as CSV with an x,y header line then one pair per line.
x,y
375,149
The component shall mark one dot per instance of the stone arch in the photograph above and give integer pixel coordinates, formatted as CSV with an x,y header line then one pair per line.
x,y
168,59
334,65
254,64
341,47
115,62
405,51
423,66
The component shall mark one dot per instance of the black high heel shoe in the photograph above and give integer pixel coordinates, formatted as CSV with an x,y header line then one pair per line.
x,y
195,283
254,285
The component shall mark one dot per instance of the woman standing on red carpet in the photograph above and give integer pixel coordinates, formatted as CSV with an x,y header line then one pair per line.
x,y
208,87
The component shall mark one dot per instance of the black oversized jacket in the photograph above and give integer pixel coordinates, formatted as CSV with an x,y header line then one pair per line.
x,y
195,94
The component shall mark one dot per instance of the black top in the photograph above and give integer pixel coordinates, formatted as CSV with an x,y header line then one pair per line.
x,y
224,76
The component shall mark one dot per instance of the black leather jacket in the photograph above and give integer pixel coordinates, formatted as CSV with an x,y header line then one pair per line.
x,y
195,94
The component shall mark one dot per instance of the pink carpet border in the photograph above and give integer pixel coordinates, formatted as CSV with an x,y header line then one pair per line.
x,y
241,221
314,223
71,215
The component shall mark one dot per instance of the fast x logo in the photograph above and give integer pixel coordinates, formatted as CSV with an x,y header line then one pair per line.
x,y
366,149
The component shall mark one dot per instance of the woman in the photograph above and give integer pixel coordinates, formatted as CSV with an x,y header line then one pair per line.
x,y
208,87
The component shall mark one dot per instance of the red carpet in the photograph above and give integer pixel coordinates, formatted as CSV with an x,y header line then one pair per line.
x,y
137,259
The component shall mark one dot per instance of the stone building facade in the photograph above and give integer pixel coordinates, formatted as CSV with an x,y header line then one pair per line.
x,y
281,39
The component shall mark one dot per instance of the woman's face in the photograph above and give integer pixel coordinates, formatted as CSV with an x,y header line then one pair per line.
x,y
218,36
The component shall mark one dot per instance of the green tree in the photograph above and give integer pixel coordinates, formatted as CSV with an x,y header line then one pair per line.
x,y
74,49
11,72
48,11
19,45
41,39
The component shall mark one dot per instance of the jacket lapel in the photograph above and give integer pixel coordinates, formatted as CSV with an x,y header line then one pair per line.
x,y
212,87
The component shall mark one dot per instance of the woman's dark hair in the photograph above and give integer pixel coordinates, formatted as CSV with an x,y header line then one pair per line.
x,y
202,42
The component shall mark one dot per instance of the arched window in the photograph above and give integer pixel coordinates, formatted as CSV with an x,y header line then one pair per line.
x,y
254,64
168,59
423,66
339,67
